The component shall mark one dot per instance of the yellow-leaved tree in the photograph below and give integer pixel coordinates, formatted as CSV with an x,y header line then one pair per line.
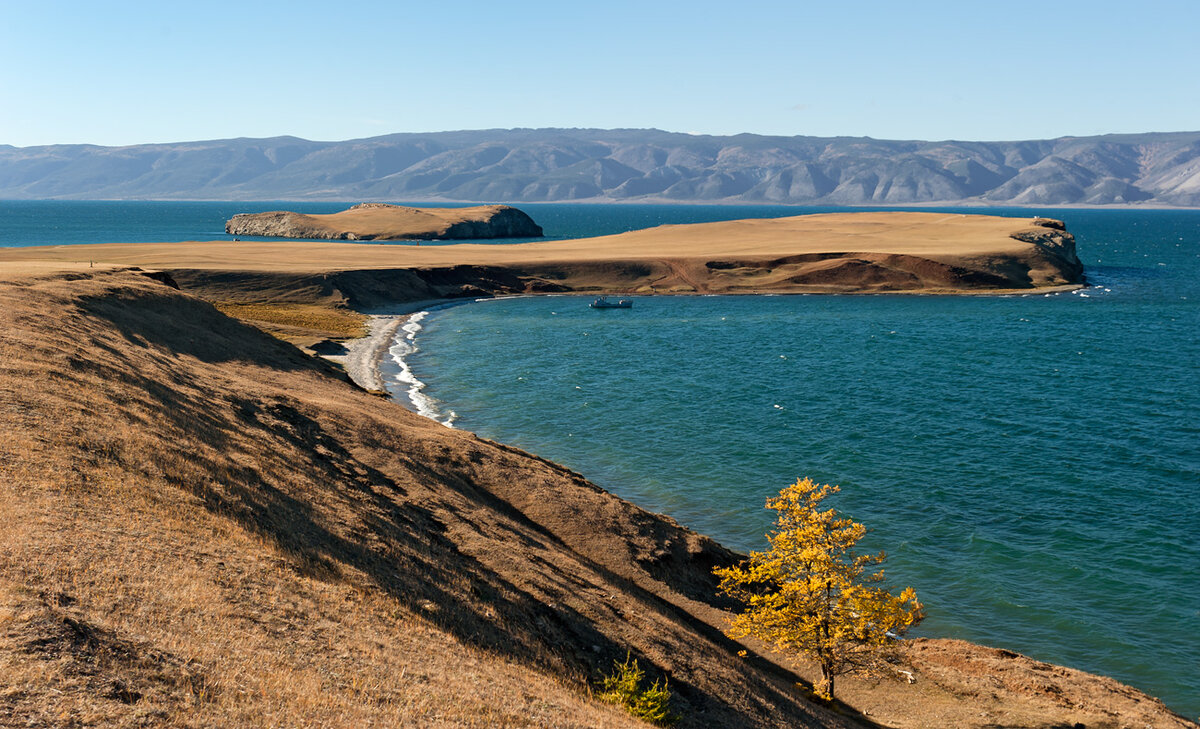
x,y
812,595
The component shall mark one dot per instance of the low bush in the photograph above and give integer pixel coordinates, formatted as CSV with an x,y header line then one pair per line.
x,y
624,688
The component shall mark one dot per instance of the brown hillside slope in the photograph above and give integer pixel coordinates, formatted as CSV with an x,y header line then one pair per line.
x,y
202,526
201,516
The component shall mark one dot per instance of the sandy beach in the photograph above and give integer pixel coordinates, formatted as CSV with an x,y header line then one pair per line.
x,y
364,355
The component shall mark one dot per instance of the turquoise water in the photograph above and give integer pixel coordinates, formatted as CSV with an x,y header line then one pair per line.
x,y
66,222
1031,464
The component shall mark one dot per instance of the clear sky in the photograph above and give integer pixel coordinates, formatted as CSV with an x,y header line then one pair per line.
x,y
133,72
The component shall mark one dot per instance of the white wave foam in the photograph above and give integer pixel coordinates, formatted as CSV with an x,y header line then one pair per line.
x,y
403,347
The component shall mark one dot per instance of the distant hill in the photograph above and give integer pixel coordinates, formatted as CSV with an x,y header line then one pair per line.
x,y
530,165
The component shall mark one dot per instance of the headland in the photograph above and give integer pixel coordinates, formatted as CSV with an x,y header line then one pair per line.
x,y
876,252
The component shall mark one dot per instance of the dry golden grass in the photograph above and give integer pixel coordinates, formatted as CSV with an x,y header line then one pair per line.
x,y
368,222
868,251
200,526
136,589
308,318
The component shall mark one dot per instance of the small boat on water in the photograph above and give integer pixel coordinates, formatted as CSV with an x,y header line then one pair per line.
x,y
602,302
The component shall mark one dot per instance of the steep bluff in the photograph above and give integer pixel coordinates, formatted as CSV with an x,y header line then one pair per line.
x,y
381,221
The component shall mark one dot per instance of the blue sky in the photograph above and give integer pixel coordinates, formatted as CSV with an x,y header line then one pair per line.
x,y
133,72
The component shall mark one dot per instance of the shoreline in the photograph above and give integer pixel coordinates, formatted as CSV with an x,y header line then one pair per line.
x,y
365,354
364,357
438,462
392,322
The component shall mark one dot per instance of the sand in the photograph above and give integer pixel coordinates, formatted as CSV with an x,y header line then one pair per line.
x,y
364,355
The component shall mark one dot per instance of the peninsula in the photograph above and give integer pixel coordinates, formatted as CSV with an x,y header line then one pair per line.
x,y
875,252
381,221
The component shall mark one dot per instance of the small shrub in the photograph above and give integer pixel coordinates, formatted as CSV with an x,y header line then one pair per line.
x,y
624,688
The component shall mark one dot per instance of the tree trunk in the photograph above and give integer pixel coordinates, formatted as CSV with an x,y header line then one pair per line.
x,y
824,687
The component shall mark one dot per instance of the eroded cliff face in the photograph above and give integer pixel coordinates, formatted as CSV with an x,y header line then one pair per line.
x,y
1055,246
382,221
505,222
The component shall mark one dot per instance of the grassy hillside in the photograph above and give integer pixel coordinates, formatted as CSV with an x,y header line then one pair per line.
x,y
203,526
203,522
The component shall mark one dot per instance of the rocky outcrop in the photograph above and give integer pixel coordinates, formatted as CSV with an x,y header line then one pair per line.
x,y
381,221
1055,246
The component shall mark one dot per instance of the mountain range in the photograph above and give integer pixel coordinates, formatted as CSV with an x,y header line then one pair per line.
x,y
649,165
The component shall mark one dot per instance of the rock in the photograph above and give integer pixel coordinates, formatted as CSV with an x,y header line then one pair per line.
x,y
382,221
1050,223
328,347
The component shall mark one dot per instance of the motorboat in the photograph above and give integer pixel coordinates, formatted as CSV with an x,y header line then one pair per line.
x,y
602,302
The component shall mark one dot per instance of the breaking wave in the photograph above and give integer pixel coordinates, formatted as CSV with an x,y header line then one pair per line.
x,y
403,347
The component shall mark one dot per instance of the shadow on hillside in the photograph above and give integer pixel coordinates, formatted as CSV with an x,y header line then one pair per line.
x,y
406,550
192,327
282,470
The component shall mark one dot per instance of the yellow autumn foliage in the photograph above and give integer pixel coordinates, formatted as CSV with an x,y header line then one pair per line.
x,y
812,595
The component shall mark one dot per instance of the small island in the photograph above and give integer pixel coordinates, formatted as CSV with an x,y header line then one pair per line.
x,y
382,221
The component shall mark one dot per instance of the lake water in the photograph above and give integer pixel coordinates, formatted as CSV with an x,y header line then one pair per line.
x,y
1031,463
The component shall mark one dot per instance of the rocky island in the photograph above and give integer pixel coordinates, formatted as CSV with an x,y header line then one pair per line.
x,y
381,221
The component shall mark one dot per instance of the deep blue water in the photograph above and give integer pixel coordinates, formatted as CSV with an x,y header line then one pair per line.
x,y
1031,464
62,222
